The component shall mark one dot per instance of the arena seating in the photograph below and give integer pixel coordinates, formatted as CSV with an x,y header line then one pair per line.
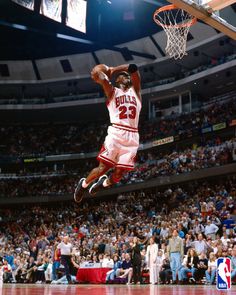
x,y
149,166
105,227
73,137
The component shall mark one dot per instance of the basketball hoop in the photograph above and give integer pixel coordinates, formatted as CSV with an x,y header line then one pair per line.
x,y
176,23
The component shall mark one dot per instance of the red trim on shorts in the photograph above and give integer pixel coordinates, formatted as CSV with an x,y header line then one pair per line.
x,y
103,159
125,167
106,161
124,127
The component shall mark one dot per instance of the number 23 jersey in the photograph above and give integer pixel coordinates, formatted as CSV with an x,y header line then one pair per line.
x,y
124,108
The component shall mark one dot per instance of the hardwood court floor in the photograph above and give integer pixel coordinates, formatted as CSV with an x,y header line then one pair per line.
x,y
18,289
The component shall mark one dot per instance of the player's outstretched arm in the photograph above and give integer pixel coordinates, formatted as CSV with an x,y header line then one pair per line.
x,y
101,74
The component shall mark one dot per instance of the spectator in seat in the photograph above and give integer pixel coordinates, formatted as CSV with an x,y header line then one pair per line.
x,y
202,265
10,258
233,264
180,273
160,258
48,271
100,259
165,272
39,270
164,232
211,269
15,270
191,265
181,231
7,272
215,220
111,274
21,270
211,229
144,259
229,223
200,245
225,240
94,259
107,261
30,270
198,228
126,270
204,209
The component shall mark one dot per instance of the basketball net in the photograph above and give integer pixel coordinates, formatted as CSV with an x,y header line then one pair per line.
x,y
176,24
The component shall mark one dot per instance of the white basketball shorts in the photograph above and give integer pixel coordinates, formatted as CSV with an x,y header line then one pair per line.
x,y
119,148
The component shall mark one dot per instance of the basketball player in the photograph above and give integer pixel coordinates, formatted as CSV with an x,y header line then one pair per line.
x,y
121,143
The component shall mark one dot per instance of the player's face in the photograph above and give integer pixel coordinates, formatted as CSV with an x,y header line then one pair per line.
x,y
124,79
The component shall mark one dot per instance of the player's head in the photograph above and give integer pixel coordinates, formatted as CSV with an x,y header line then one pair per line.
x,y
123,78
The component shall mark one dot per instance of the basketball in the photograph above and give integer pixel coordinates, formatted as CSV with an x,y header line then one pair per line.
x,y
100,68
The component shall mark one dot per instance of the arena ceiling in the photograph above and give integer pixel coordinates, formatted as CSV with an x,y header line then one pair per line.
x,y
108,23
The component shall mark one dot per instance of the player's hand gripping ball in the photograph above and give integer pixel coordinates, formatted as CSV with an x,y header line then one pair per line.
x,y
98,69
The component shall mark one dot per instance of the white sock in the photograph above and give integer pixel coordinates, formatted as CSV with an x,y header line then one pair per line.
x,y
84,184
106,182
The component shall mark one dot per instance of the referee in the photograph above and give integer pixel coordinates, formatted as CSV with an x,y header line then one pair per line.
x,y
66,250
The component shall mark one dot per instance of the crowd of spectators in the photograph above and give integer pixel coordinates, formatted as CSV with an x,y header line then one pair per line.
x,y
151,164
35,140
189,123
200,215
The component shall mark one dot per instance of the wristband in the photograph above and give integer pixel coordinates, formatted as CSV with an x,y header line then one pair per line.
x,y
132,68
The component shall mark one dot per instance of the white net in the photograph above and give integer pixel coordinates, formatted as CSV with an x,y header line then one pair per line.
x,y
176,23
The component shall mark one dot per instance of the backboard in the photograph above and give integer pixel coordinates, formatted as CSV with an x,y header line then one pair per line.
x,y
215,5
206,10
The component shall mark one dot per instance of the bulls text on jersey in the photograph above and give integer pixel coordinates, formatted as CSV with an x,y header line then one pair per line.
x,y
123,99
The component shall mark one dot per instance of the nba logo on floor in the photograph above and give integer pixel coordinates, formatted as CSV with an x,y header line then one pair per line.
x,y
223,280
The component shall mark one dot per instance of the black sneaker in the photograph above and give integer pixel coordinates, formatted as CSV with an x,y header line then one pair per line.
x,y
97,185
79,191
192,280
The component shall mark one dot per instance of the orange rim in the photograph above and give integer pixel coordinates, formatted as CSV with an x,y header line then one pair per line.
x,y
172,7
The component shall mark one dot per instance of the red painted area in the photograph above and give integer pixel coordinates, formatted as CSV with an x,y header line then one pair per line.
x,y
227,272
111,290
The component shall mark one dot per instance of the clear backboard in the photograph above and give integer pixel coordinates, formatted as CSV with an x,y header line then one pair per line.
x,y
207,11
214,5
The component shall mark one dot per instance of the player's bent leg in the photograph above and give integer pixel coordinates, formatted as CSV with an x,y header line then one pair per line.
x,y
96,173
83,183
116,176
97,186
104,181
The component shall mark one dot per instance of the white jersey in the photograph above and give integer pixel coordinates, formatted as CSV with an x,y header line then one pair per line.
x,y
124,108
